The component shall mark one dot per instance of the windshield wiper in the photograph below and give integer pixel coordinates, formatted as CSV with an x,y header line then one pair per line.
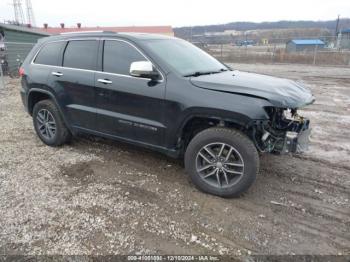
x,y
200,73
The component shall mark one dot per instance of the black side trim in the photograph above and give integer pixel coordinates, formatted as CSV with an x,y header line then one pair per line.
x,y
169,152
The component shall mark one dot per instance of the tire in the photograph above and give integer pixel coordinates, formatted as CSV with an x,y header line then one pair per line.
x,y
47,110
243,159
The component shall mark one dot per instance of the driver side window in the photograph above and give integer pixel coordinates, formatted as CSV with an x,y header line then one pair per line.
x,y
118,56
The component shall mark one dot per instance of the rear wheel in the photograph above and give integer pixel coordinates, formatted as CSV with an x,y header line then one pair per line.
x,y
49,124
222,162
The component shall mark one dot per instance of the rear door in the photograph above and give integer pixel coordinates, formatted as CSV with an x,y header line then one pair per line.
x,y
46,59
128,107
73,80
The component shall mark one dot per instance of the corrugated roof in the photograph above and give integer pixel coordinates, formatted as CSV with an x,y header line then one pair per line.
x,y
307,42
24,29
129,29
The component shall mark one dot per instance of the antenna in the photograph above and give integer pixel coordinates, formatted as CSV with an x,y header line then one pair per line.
x,y
30,13
19,17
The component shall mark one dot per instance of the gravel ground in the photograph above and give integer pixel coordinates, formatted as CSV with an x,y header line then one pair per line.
x,y
97,196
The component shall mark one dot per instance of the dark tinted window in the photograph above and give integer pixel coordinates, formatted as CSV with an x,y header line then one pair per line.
x,y
81,54
118,56
49,54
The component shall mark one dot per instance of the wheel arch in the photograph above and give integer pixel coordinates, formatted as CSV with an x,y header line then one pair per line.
x,y
36,95
194,123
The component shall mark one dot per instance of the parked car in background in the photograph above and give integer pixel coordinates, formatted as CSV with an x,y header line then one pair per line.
x,y
165,94
245,43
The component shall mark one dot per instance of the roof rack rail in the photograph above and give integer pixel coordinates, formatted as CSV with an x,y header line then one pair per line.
x,y
86,32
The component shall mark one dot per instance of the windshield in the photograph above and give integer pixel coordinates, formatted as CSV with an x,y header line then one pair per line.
x,y
184,57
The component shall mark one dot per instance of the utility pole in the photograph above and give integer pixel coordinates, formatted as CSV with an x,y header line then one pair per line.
x,y
337,27
191,34
2,77
315,54
337,35
19,16
30,13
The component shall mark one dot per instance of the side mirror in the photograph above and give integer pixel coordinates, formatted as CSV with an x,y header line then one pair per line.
x,y
143,69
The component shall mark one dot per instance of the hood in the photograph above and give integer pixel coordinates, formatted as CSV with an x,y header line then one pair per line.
x,y
278,91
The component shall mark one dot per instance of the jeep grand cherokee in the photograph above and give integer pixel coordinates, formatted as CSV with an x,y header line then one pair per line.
x,y
165,94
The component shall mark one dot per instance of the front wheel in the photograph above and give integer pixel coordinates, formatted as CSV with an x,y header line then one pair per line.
x,y
222,162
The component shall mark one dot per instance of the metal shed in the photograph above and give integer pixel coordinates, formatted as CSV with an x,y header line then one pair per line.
x,y
18,41
299,45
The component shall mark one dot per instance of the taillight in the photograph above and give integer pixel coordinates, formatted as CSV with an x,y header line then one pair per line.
x,y
21,71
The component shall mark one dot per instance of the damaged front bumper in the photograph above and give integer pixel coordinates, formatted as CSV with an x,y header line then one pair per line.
x,y
285,132
296,142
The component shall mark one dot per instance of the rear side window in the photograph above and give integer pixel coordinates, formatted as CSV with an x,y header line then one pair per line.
x,y
49,54
81,54
118,56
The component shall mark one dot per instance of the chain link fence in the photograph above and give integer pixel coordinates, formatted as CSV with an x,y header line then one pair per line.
x,y
333,52
278,54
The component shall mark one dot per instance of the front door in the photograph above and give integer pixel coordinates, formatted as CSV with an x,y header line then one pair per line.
x,y
128,107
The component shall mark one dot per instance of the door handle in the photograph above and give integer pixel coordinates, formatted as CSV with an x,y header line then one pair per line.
x,y
57,73
104,81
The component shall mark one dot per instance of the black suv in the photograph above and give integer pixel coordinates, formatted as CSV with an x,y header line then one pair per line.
x,y
165,94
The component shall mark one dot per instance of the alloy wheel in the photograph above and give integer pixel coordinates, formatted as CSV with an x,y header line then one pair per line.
x,y
219,165
46,124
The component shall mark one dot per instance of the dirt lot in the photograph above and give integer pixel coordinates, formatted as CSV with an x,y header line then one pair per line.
x,y
96,196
